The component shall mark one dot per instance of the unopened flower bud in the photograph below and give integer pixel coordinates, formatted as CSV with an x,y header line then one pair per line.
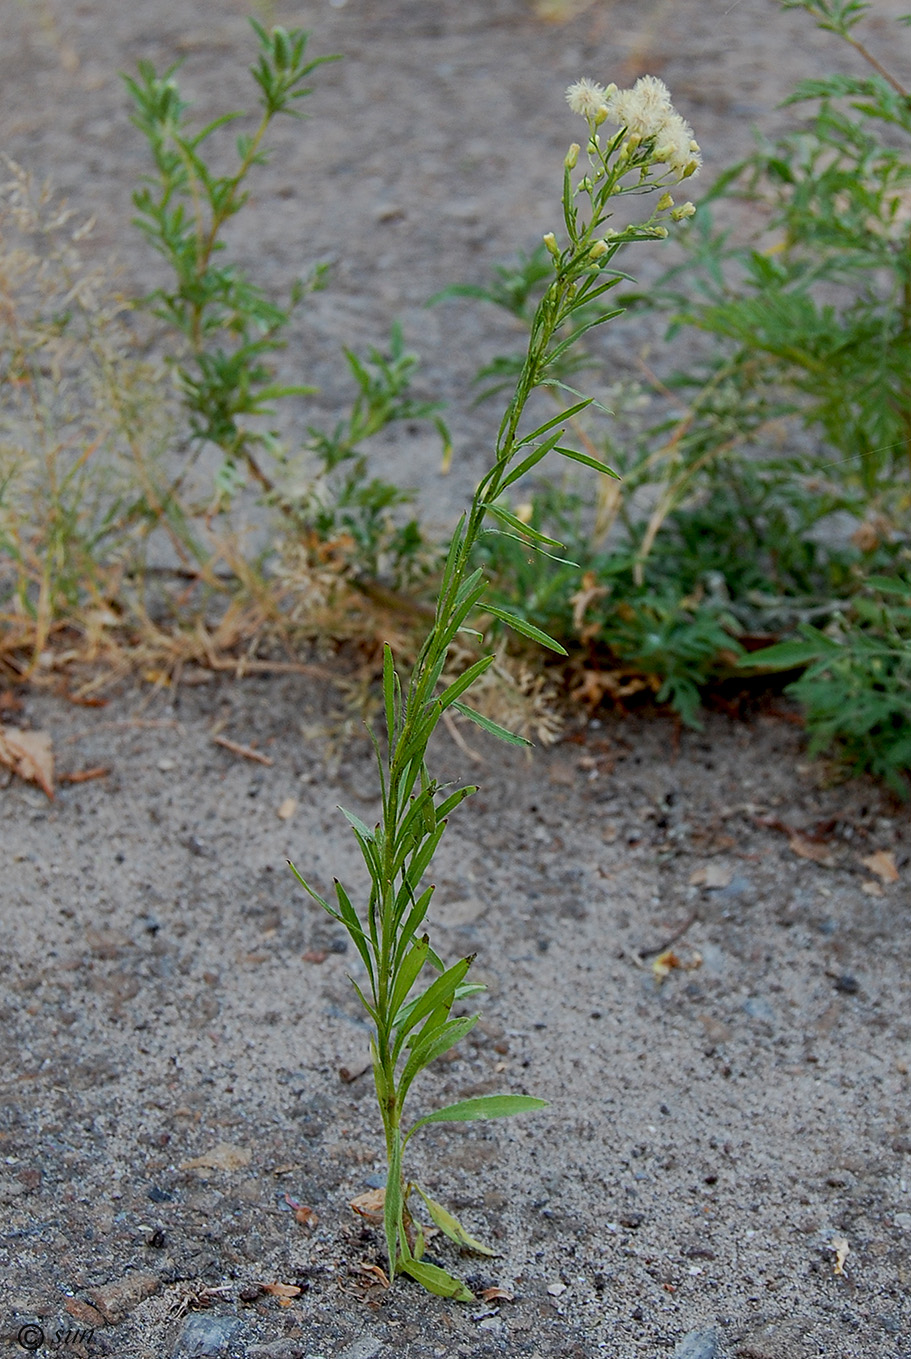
x,y
660,232
550,241
665,202
601,115
571,159
684,210
598,249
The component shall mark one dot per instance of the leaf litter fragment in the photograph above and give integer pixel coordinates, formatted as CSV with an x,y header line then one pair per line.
x,y
29,755
882,863
369,1205
225,1156
712,876
813,850
841,1248
284,1294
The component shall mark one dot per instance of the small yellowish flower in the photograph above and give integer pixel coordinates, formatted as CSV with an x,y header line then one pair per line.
x,y
684,210
644,109
550,241
587,98
665,202
598,249
675,147
571,158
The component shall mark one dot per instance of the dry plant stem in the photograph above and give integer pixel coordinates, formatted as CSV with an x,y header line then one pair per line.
x,y
410,1031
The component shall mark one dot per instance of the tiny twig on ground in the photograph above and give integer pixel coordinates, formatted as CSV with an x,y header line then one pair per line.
x,y
654,949
247,752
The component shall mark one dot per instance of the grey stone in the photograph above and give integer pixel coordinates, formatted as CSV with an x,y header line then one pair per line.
x,y
205,1334
698,1345
759,1009
278,1349
739,886
365,1347
774,1340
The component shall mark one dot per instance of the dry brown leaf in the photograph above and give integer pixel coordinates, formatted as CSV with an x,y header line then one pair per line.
x,y
497,1295
29,754
287,809
811,849
711,876
872,888
370,1205
223,1157
306,1217
376,1272
882,863
314,955
283,1293
841,1248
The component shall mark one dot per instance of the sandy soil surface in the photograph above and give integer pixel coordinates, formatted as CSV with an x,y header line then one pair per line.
x,y
169,997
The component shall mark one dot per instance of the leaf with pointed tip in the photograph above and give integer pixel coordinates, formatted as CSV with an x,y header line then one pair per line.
x,y
360,826
586,461
527,629
493,727
484,1106
556,420
437,1280
453,1228
526,530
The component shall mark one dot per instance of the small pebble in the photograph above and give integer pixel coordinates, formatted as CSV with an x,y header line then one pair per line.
x,y
698,1345
205,1334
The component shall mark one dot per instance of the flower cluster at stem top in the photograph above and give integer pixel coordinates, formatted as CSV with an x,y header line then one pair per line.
x,y
646,115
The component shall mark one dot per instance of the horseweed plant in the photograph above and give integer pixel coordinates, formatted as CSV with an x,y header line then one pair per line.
x,y
229,327
652,149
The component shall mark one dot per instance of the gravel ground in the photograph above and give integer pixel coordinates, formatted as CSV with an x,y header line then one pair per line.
x,y
170,998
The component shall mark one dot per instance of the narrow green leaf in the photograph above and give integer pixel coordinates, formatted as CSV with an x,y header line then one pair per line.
x,y
364,1001
352,924
361,828
787,655
577,334
527,629
421,860
310,892
525,529
533,458
449,1224
389,692
437,993
415,918
484,1106
466,679
493,727
454,800
428,1048
587,461
557,420
436,1280
409,973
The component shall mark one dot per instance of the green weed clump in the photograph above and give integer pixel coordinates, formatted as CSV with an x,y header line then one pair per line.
x,y
416,1020
223,331
775,484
